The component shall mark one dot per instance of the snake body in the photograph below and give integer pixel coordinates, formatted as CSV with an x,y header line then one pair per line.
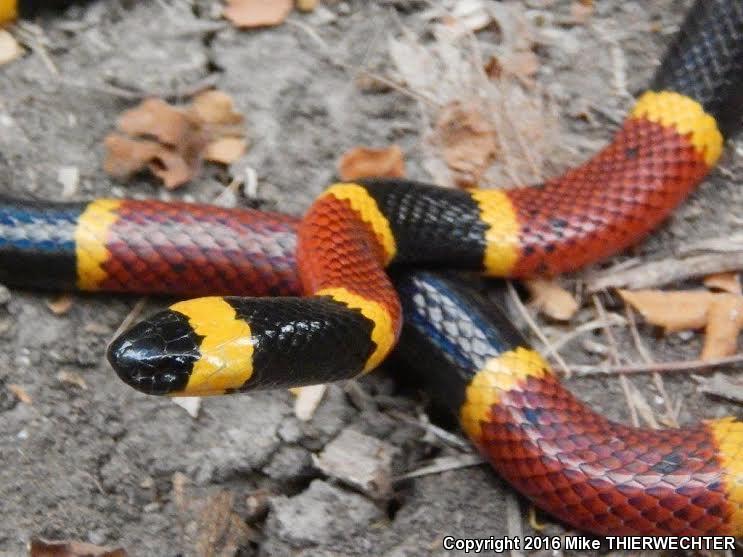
x,y
593,474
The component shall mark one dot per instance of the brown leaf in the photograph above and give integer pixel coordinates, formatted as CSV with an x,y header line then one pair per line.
x,y
216,107
226,150
156,119
125,156
307,5
68,548
724,323
60,305
257,13
551,299
20,393
173,168
467,141
172,141
365,162
9,48
720,314
674,311
726,282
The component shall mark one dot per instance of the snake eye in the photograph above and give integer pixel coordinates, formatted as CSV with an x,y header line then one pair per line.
x,y
156,356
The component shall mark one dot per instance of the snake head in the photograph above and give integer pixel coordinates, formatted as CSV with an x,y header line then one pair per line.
x,y
156,355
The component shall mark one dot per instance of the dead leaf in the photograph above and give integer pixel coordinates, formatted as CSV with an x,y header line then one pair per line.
x,y
365,162
20,393
226,150
307,5
257,13
724,323
69,548
551,299
726,282
467,141
154,118
9,48
60,305
674,311
172,141
216,107
720,314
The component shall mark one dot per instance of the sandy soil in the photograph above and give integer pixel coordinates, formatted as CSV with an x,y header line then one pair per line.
x,y
107,465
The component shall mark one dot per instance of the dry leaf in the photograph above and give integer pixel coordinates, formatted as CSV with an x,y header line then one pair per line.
x,y
60,305
226,150
720,314
307,5
216,107
723,326
726,282
172,141
9,48
365,162
68,548
674,311
467,141
20,393
551,299
154,118
257,13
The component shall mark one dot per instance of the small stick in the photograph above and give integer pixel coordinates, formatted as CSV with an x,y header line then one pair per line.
x,y
666,271
614,351
688,366
535,328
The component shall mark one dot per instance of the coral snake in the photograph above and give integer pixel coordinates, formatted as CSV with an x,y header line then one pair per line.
x,y
591,473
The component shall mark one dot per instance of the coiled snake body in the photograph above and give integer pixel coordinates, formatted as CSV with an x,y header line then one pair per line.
x,y
591,473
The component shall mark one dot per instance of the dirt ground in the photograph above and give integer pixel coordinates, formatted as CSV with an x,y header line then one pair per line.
x,y
104,464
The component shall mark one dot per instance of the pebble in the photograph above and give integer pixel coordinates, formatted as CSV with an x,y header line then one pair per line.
x,y
360,461
320,514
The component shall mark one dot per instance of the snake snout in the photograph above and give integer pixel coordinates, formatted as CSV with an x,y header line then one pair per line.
x,y
156,355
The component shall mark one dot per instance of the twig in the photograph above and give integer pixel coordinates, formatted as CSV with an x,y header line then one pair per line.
x,y
450,439
133,94
688,366
130,318
665,271
443,464
671,416
614,351
721,386
535,328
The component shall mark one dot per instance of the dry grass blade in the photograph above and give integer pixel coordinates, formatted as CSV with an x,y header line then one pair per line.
x,y
654,274
444,464
688,366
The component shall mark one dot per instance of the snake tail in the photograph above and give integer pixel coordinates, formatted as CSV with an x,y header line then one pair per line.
x,y
594,474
